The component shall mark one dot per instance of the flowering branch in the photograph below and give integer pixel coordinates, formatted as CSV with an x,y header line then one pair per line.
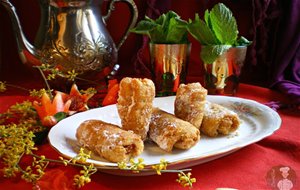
x,y
185,180
53,73
3,86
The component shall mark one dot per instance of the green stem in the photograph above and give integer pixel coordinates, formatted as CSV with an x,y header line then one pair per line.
x,y
56,161
109,168
45,80
176,171
18,87
18,166
86,80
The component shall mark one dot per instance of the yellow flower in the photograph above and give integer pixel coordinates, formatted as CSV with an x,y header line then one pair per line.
x,y
72,75
38,93
139,165
2,86
81,156
161,166
185,180
84,178
122,165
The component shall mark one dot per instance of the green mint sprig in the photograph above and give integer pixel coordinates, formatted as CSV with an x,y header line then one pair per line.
x,y
168,28
217,32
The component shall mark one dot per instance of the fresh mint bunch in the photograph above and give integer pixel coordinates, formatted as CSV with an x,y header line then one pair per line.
x,y
169,28
217,32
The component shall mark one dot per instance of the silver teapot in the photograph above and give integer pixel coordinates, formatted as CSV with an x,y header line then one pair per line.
x,y
72,36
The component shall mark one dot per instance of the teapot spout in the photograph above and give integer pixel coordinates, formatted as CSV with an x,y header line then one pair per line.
x,y
27,52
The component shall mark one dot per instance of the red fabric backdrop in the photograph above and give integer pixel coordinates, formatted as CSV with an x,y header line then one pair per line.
x,y
29,15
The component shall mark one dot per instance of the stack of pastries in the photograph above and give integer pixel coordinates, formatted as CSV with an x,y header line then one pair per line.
x,y
119,144
141,121
212,119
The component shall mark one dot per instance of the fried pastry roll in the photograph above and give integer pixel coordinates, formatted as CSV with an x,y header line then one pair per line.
x,y
109,141
168,131
218,120
189,103
135,104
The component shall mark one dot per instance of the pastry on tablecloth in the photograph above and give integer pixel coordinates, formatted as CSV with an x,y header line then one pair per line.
x,y
135,104
168,131
189,103
218,120
109,141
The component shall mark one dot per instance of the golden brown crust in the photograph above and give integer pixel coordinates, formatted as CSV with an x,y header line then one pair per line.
x,y
189,103
218,120
167,131
135,104
109,141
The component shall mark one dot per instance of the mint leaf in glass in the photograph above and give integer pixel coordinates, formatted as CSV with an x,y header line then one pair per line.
x,y
169,28
217,32
176,32
242,41
210,53
144,27
201,32
223,24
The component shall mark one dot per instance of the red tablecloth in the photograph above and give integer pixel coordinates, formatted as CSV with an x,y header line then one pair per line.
x,y
247,169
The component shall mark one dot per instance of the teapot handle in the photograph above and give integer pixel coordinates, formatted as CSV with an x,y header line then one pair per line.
x,y
133,19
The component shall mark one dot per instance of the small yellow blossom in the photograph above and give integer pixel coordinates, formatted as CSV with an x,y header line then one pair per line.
x,y
81,156
2,86
45,66
84,178
137,166
133,165
51,76
89,91
71,75
185,180
122,165
38,93
161,166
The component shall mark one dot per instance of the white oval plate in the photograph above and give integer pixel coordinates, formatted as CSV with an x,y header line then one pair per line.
x,y
258,122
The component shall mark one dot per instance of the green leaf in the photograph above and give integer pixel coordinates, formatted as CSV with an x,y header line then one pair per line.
x,y
144,27
170,15
167,29
201,32
181,23
160,20
207,18
242,41
168,22
210,53
149,19
60,116
157,35
177,32
223,24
